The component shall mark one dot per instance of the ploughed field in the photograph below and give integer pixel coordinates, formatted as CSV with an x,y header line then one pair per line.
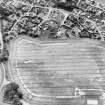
x,y
57,69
